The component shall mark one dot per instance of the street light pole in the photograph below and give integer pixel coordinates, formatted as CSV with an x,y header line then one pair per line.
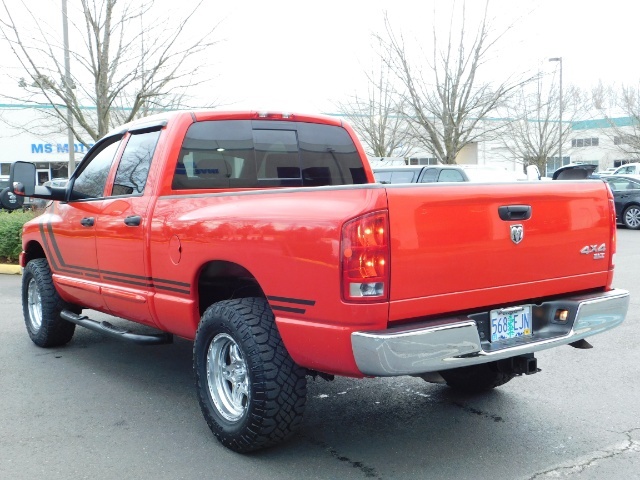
x,y
559,59
67,81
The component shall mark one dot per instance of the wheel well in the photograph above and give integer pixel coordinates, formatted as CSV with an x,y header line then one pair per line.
x,y
34,250
220,280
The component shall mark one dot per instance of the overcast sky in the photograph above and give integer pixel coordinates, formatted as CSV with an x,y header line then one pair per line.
x,y
307,56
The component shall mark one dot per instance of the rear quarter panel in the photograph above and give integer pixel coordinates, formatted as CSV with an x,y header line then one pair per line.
x,y
289,241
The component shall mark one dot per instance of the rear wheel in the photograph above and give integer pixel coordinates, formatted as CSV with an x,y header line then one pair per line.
x,y
631,217
476,378
251,392
41,306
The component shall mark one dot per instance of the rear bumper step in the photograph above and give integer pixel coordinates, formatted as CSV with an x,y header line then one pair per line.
x,y
116,332
455,342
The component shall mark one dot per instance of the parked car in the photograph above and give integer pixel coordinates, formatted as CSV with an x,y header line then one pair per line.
x,y
54,182
419,174
627,169
172,222
626,194
607,171
443,173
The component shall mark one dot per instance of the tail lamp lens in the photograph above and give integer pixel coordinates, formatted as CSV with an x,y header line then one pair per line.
x,y
365,258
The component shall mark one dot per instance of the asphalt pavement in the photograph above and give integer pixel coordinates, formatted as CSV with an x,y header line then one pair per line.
x,y
104,409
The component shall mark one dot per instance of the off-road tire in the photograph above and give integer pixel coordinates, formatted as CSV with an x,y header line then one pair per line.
x,y
631,217
238,341
41,306
476,378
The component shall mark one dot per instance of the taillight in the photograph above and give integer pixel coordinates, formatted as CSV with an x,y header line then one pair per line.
x,y
613,227
614,233
365,258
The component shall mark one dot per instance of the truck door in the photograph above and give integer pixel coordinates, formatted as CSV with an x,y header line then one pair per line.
x,y
122,232
68,230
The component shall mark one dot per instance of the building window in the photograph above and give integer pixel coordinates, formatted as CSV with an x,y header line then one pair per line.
x,y
554,163
423,161
584,142
5,168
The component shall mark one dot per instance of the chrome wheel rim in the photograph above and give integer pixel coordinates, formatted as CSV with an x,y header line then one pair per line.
x,y
632,217
227,377
34,302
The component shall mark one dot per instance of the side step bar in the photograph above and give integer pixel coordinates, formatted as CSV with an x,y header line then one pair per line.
x,y
116,332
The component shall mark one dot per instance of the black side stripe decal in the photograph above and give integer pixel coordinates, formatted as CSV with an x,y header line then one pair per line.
x,y
94,273
149,279
293,301
59,254
296,301
54,265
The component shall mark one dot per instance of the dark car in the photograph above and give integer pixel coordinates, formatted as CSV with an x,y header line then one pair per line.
x,y
626,194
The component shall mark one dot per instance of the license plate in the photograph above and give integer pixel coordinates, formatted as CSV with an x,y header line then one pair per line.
x,y
512,322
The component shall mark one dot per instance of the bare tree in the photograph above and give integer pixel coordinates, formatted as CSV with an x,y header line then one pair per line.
x,y
377,118
623,119
531,134
126,64
447,104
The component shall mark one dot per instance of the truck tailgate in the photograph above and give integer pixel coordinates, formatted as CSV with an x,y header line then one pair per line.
x,y
452,251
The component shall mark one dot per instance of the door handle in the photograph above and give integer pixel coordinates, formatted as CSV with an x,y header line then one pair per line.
x,y
87,221
133,221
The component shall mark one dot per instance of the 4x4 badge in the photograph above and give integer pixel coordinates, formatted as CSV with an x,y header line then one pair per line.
x,y
517,233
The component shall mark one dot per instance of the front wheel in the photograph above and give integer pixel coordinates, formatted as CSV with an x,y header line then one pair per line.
x,y
476,378
251,392
41,306
631,217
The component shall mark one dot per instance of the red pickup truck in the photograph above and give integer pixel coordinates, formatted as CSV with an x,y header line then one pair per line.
x,y
264,239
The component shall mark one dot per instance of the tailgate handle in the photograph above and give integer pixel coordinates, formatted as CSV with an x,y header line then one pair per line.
x,y
515,212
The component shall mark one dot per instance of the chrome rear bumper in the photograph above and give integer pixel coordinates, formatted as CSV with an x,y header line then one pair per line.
x,y
455,341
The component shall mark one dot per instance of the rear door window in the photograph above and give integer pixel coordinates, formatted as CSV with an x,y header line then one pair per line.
x,y
450,175
403,177
131,176
253,154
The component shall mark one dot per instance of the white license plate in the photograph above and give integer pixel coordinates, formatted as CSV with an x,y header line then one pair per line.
x,y
510,322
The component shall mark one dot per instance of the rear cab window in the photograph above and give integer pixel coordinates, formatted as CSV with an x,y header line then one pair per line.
x,y
220,154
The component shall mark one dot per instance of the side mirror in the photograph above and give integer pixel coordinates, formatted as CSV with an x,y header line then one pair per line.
x,y
22,178
533,173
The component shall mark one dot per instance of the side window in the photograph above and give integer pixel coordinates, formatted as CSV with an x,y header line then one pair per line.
x,y
131,176
430,175
383,177
91,181
450,175
402,177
